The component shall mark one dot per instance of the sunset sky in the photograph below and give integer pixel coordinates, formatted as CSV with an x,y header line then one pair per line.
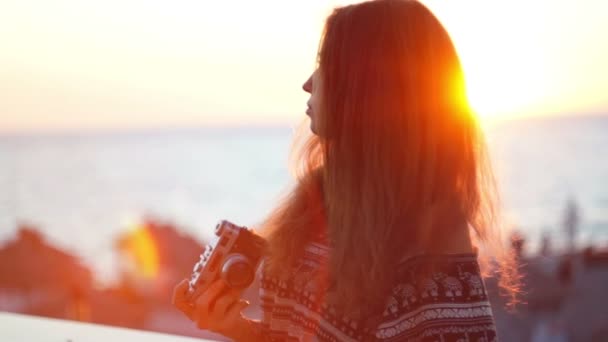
x,y
76,64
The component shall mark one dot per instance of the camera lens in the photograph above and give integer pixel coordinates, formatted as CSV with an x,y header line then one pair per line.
x,y
238,271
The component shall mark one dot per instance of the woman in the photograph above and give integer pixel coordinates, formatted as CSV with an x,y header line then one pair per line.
x,y
374,241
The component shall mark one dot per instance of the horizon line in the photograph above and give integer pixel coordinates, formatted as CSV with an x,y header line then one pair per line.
x,y
233,125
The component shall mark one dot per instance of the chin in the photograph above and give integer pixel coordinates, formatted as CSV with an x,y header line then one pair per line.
x,y
313,129
312,125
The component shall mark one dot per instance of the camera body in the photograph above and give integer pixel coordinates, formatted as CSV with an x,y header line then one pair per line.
x,y
234,255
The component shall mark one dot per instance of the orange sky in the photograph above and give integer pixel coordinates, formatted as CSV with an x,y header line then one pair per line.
x,y
76,64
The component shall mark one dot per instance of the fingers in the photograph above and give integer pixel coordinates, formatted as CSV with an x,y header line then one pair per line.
x,y
234,311
232,316
179,298
205,302
217,309
207,298
223,303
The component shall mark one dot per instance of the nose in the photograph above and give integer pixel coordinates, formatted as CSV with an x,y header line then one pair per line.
x,y
307,86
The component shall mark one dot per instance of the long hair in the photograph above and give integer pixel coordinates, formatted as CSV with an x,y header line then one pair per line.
x,y
400,147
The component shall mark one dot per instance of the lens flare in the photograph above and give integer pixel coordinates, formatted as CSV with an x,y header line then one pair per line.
x,y
142,248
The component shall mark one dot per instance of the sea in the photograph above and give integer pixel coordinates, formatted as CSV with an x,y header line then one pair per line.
x,y
83,190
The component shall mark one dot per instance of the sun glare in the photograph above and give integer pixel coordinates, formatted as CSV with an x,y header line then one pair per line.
x,y
114,66
496,91
505,65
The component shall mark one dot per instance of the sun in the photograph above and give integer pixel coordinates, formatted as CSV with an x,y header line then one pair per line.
x,y
504,78
499,91
505,65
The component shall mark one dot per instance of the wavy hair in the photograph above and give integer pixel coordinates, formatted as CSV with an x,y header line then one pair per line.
x,y
401,154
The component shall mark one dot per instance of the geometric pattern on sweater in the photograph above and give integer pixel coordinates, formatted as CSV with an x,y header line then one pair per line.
x,y
439,297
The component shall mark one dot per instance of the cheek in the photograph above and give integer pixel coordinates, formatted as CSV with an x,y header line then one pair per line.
x,y
314,107
316,103
313,115
315,111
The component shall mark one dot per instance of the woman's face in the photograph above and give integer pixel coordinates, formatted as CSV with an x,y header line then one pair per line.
x,y
313,86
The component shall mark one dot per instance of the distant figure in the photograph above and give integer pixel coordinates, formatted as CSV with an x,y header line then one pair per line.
x,y
564,271
545,245
518,241
571,222
373,242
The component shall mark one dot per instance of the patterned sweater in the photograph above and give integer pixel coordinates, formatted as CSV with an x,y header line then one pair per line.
x,y
447,304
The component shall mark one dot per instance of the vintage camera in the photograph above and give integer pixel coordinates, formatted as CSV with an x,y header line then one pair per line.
x,y
234,255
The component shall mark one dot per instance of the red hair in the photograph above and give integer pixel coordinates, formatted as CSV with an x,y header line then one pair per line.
x,y
399,149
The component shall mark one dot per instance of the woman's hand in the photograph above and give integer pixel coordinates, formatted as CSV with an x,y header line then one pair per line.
x,y
218,309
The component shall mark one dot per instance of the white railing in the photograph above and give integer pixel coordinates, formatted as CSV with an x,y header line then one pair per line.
x,y
22,328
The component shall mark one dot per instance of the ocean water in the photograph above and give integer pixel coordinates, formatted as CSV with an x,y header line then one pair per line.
x,y
83,190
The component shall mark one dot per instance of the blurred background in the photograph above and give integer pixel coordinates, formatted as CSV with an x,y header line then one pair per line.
x,y
129,128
